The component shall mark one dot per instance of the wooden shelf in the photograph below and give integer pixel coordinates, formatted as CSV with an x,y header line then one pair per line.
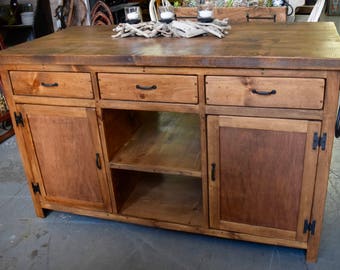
x,y
167,198
168,144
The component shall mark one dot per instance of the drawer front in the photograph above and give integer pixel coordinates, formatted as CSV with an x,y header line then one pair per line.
x,y
146,87
265,92
52,84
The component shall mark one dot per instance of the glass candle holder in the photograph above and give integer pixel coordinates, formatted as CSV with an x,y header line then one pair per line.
x,y
205,12
132,15
166,14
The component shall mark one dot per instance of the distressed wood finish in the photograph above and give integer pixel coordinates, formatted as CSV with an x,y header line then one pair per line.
x,y
163,88
52,84
168,143
67,170
261,162
237,15
273,46
98,147
265,92
175,199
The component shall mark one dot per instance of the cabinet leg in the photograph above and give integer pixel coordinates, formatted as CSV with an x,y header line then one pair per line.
x,y
312,254
40,212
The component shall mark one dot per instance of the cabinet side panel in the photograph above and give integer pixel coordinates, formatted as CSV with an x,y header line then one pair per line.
x,y
261,174
66,157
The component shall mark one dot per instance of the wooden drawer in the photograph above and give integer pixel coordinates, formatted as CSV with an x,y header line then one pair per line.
x,y
265,92
52,84
147,87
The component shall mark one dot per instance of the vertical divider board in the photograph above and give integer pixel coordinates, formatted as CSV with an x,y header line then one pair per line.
x,y
204,157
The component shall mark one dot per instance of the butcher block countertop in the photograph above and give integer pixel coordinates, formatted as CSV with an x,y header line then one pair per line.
x,y
284,46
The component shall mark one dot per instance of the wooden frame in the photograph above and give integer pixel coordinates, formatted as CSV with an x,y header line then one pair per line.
x,y
215,123
199,58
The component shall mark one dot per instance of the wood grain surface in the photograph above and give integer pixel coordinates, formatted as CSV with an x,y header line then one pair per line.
x,y
148,87
237,15
52,84
249,91
285,46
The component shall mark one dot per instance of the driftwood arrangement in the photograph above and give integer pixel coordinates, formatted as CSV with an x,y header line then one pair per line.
x,y
187,29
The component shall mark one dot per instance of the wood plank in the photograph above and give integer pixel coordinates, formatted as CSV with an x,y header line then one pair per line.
x,y
119,126
148,87
112,191
204,153
258,230
179,227
296,93
273,46
298,126
174,71
52,84
168,144
238,15
149,106
264,112
54,101
324,161
249,183
213,165
308,180
175,199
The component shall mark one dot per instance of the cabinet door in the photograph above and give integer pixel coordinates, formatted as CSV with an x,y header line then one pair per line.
x,y
262,175
66,163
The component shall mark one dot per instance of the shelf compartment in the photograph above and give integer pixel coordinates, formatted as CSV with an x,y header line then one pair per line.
x,y
164,142
170,198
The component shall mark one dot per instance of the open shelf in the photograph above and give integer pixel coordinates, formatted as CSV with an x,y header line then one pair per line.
x,y
170,198
163,142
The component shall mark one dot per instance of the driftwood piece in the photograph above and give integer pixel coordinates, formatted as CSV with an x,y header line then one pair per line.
x,y
185,29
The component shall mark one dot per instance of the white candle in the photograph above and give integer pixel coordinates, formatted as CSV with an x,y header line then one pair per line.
x,y
132,16
167,15
205,13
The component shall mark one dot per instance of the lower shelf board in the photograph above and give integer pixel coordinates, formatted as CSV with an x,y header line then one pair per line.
x,y
168,198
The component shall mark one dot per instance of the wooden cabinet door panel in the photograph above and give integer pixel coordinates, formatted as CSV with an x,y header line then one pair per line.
x,y
264,175
66,145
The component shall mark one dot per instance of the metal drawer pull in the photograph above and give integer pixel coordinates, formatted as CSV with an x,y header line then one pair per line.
x,y
141,87
263,93
337,125
49,84
213,168
98,164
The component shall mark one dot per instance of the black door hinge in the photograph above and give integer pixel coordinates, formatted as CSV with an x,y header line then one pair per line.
x,y
36,188
319,141
309,226
18,119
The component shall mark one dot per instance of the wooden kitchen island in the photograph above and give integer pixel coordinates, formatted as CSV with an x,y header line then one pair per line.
x,y
226,137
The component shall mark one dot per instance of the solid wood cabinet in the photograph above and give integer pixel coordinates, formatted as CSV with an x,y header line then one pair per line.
x,y
225,137
262,174
67,165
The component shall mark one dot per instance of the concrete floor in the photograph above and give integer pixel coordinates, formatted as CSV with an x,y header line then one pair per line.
x,y
65,241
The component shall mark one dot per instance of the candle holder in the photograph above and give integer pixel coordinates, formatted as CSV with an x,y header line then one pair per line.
x,y
166,14
205,12
132,15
